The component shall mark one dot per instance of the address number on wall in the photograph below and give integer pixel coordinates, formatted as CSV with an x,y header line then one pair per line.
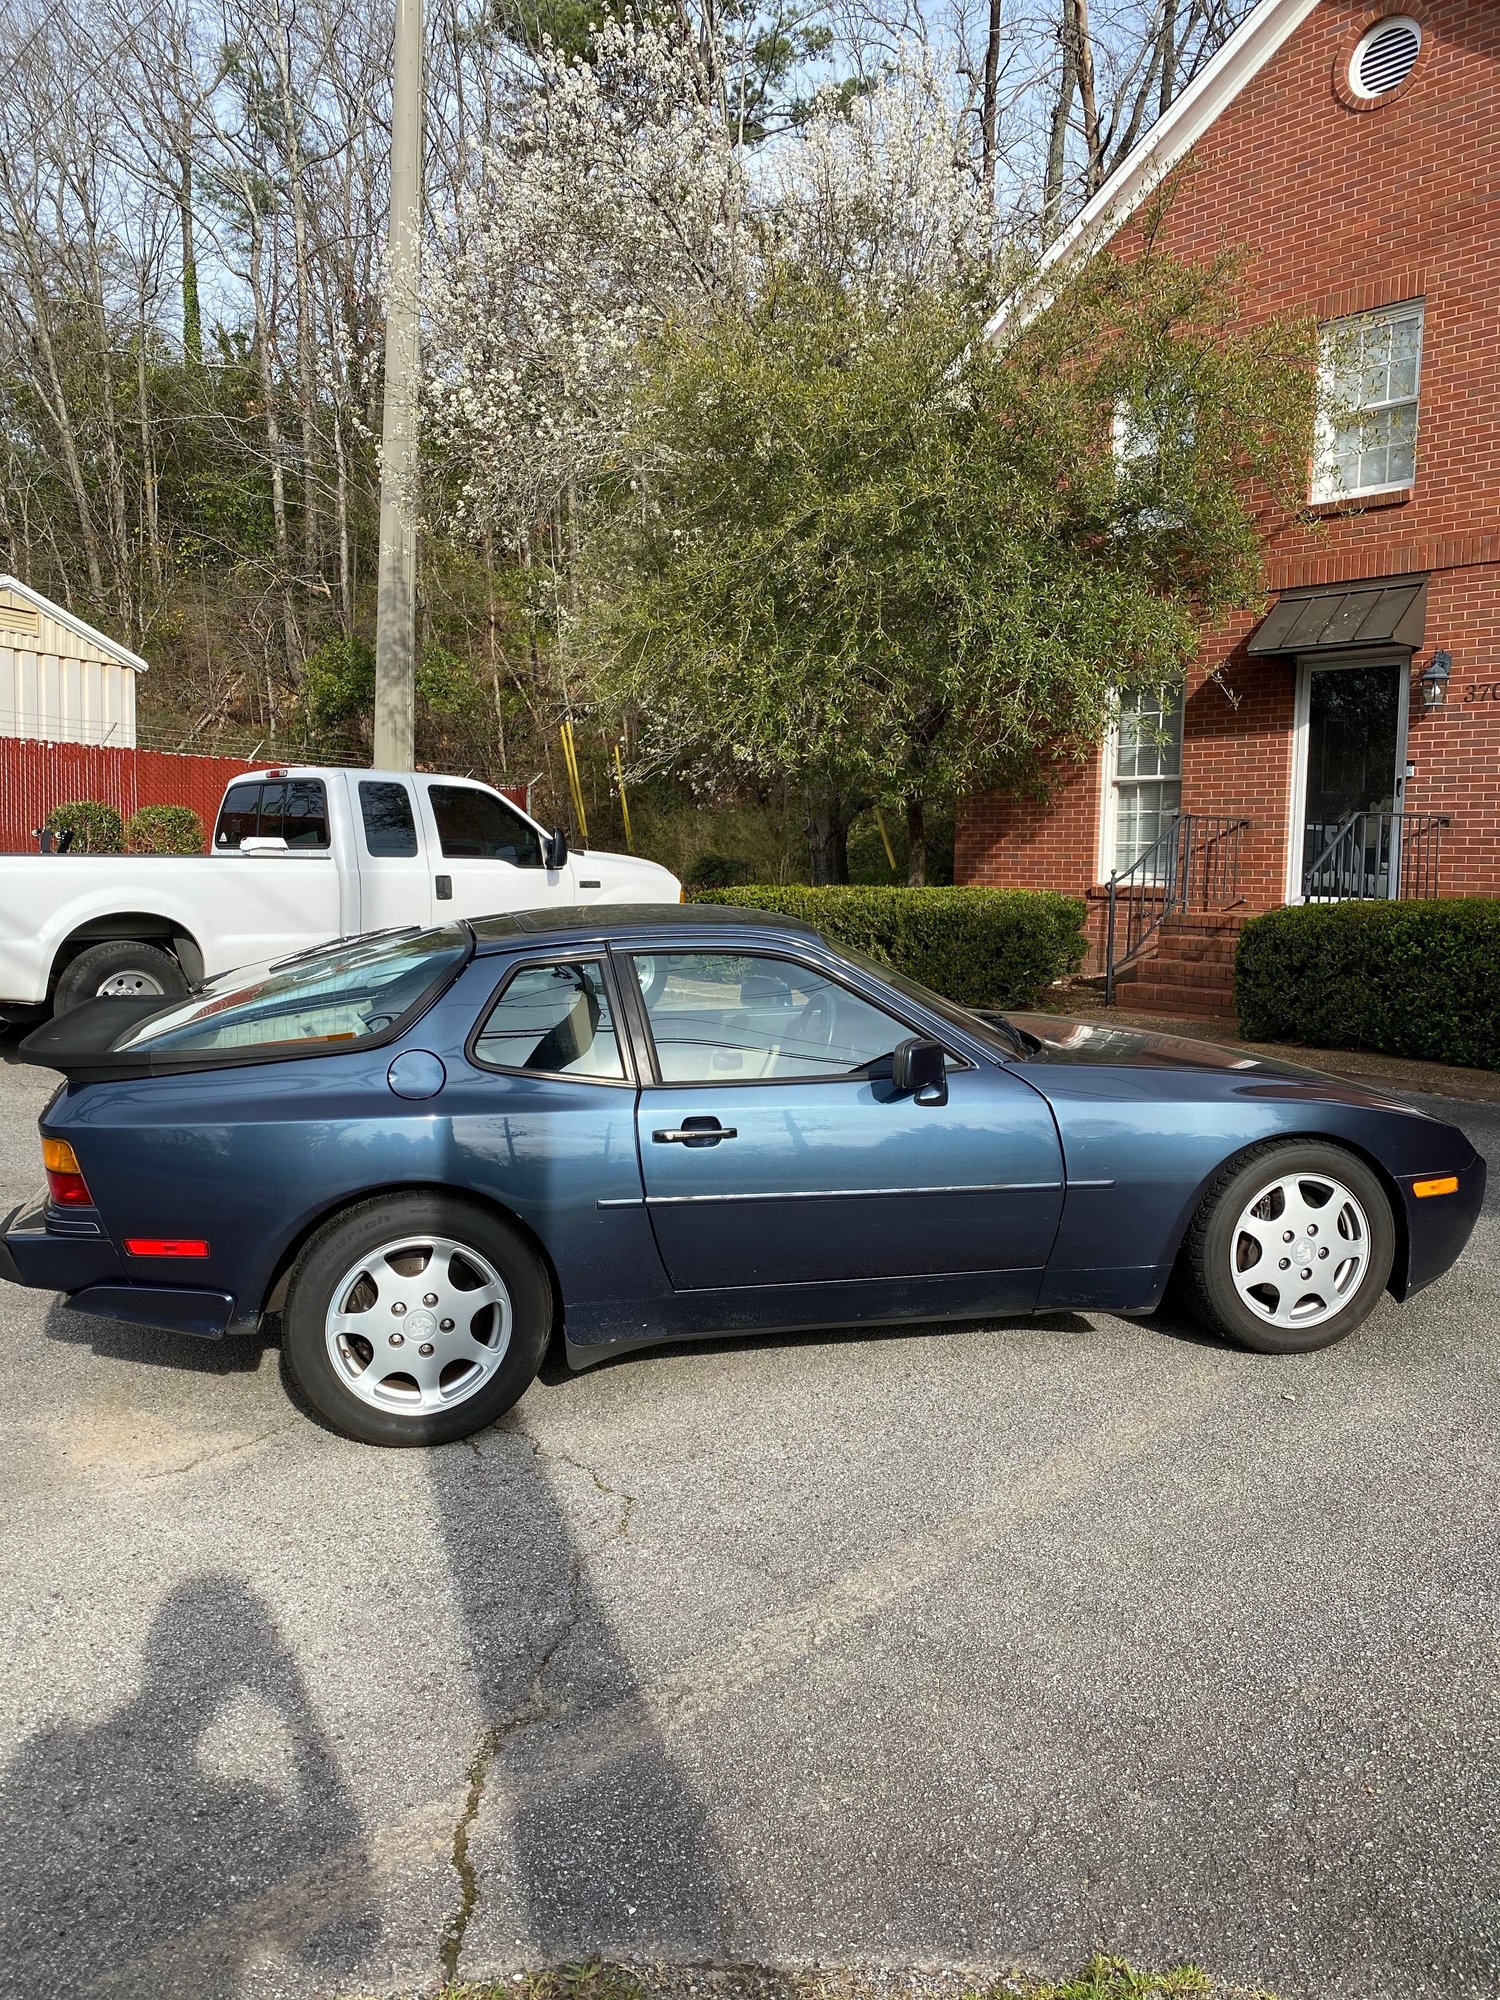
x,y
1482,691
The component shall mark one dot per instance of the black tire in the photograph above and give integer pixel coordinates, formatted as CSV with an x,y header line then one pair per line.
x,y
1216,1246
140,969
357,1234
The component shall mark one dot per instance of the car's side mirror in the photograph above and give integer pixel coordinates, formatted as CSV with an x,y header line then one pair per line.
x,y
919,1069
555,848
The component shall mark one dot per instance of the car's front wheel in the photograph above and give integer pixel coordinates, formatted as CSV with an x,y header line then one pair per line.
x,y
1290,1249
415,1319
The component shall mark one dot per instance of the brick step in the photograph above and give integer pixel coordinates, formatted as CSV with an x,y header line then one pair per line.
x,y
1224,922
1191,978
1196,951
1147,997
1163,971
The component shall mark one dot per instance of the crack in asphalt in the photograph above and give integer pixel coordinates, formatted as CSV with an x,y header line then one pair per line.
x,y
536,1707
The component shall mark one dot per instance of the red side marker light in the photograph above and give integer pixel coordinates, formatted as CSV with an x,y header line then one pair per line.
x,y
65,1182
166,1246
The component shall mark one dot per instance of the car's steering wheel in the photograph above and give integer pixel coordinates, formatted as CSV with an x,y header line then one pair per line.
x,y
816,1021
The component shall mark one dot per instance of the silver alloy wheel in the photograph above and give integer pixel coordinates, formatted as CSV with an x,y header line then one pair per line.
x,y
1300,1249
418,1325
129,986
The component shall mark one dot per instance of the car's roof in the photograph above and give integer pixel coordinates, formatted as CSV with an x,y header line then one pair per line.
x,y
625,920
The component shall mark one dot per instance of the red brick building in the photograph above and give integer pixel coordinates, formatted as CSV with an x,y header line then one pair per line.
x,y
1352,154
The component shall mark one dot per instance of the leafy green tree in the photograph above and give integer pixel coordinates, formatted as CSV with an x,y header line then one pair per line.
x,y
864,549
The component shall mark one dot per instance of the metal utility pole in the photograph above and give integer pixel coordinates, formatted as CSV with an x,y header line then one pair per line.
x,y
396,603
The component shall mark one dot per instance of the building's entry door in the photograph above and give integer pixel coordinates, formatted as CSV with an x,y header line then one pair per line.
x,y
1351,779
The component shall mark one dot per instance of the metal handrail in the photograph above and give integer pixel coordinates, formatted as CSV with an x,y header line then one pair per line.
x,y
1192,864
1378,857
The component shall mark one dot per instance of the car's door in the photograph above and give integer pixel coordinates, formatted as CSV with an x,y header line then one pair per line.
x,y
773,1152
486,857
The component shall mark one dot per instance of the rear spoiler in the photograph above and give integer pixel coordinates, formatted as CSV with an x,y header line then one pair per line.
x,y
81,1042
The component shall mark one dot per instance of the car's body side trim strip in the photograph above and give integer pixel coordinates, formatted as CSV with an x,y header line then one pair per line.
x,y
852,1194
843,1194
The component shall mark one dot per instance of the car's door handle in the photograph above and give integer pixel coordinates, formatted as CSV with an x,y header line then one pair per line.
x,y
694,1132
443,886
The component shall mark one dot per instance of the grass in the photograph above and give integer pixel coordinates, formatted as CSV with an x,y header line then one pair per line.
x,y
1100,1979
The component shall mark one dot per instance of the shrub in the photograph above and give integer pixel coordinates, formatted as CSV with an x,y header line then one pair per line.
x,y
95,826
1411,979
164,830
717,871
981,947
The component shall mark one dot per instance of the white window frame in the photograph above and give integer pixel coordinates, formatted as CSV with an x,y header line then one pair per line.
x,y
1326,487
1110,781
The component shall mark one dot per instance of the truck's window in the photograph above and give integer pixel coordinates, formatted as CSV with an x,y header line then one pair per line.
x,y
345,994
479,826
239,816
390,828
291,809
553,1019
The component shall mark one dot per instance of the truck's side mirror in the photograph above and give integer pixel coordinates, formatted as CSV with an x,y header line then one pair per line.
x,y
919,1068
555,848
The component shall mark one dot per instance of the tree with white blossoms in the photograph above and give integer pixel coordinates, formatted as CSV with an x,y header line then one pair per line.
x,y
614,205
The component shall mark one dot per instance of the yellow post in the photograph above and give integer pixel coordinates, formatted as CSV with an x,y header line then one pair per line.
x,y
575,783
885,838
624,802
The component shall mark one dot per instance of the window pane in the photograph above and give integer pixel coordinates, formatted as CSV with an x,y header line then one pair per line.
x,y
479,826
339,996
390,828
295,810
554,1019
239,818
717,1015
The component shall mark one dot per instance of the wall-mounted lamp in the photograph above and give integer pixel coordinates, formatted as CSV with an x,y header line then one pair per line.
x,y
1434,681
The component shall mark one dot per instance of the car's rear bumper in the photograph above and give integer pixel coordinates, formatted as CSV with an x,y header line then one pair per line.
x,y
86,1268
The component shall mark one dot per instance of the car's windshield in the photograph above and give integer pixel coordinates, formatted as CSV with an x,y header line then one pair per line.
x,y
990,1026
345,993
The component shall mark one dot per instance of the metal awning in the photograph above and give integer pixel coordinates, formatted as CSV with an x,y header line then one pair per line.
x,y
1384,611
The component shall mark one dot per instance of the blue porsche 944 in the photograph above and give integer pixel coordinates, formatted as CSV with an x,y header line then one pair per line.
x,y
422,1154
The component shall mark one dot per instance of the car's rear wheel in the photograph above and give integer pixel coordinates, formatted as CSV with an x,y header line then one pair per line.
x,y
415,1319
122,968
1290,1249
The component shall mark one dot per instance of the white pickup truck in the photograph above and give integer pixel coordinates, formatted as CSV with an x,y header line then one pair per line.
x,y
300,855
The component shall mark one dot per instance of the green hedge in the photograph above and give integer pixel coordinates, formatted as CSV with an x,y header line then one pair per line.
x,y
164,830
1411,979
96,827
981,947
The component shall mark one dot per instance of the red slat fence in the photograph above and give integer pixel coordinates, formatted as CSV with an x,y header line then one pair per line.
x,y
36,777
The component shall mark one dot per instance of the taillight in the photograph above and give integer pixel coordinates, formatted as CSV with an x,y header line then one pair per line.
x,y
65,1182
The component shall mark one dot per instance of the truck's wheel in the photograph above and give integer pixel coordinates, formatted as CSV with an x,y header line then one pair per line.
x,y
123,968
415,1319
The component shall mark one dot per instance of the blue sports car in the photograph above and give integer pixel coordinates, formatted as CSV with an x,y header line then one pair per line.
x,y
423,1153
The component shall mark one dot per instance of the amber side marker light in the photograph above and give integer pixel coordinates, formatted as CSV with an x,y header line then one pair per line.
x,y
166,1246
65,1182
1447,1185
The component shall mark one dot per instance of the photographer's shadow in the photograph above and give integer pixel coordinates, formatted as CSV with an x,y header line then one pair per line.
x,y
175,1816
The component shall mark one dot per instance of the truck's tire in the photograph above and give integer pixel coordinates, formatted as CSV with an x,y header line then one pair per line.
x,y
128,968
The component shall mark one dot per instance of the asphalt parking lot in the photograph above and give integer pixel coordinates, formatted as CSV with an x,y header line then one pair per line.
x,y
987,1648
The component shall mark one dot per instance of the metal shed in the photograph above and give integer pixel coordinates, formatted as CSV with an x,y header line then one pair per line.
x,y
61,681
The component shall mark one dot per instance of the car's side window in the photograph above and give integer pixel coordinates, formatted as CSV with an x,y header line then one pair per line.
x,y
479,826
716,1015
385,808
554,1019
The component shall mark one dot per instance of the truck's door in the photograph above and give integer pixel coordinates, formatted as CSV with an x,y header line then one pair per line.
x,y
485,857
395,875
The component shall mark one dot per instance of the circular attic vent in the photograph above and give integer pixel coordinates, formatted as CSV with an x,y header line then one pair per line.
x,y
1384,56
